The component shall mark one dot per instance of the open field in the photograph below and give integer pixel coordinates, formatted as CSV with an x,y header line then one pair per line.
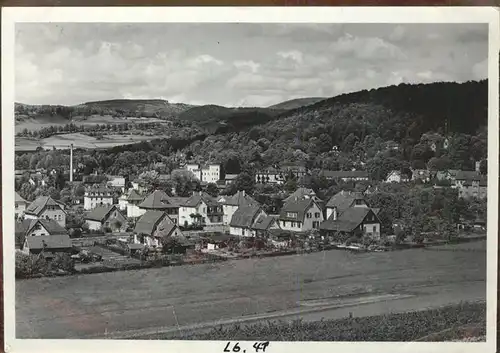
x,y
79,141
34,124
320,285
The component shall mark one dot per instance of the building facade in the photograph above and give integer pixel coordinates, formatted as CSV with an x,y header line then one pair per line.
x,y
209,173
300,215
97,196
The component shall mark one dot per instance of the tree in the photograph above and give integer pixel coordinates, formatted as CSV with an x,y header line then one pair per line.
x,y
290,185
212,189
184,182
245,182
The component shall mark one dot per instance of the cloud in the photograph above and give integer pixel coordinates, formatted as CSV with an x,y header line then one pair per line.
x,y
250,64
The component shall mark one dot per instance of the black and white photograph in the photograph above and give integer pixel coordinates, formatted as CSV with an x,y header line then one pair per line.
x,y
251,182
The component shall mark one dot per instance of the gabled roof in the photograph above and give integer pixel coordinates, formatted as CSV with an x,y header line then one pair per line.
x,y
263,222
348,220
101,213
50,225
344,173
344,199
238,199
157,200
149,222
301,193
245,216
197,197
19,198
49,242
134,196
37,206
299,206
468,175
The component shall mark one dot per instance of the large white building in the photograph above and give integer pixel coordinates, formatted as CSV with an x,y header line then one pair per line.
x,y
97,196
206,173
200,209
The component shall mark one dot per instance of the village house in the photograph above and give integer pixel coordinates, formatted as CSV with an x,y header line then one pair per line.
x,y
396,176
154,227
264,225
345,175
231,203
133,200
293,171
230,178
343,200
36,227
139,186
97,196
471,184
116,182
243,219
300,215
305,193
106,217
200,209
205,173
158,200
48,245
21,205
44,207
269,176
362,221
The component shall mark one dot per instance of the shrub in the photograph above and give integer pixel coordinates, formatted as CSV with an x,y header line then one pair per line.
x,y
30,265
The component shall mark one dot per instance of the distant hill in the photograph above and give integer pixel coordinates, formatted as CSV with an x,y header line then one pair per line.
x,y
147,107
296,103
218,119
459,107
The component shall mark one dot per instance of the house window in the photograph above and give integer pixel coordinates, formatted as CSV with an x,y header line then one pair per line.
x,y
309,215
290,214
292,224
315,224
316,215
374,229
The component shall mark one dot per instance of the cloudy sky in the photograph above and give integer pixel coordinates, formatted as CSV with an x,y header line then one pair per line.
x,y
237,64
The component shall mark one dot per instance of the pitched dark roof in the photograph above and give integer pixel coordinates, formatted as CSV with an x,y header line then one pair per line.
x,y
197,197
101,213
239,199
49,242
149,222
344,199
21,228
299,206
348,220
301,193
50,225
37,206
157,200
344,173
134,196
263,222
19,198
245,216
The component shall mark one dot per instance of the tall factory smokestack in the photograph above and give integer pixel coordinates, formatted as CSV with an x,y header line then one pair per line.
x,y
71,163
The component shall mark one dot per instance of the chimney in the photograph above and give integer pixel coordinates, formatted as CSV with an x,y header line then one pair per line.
x,y
243,192
335,213
71,163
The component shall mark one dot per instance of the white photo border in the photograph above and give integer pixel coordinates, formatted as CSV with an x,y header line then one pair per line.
x,y
13,15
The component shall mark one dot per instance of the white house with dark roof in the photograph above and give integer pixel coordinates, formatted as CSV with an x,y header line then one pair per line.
x,y
353,220
471,184
31,234
209,173
200,209
231,203
264,224
396,176
154,226
158,200
243,220
344,200
45,207
348,213
300,215
97,196
20,205
117,182
133,200
108,216
345,175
